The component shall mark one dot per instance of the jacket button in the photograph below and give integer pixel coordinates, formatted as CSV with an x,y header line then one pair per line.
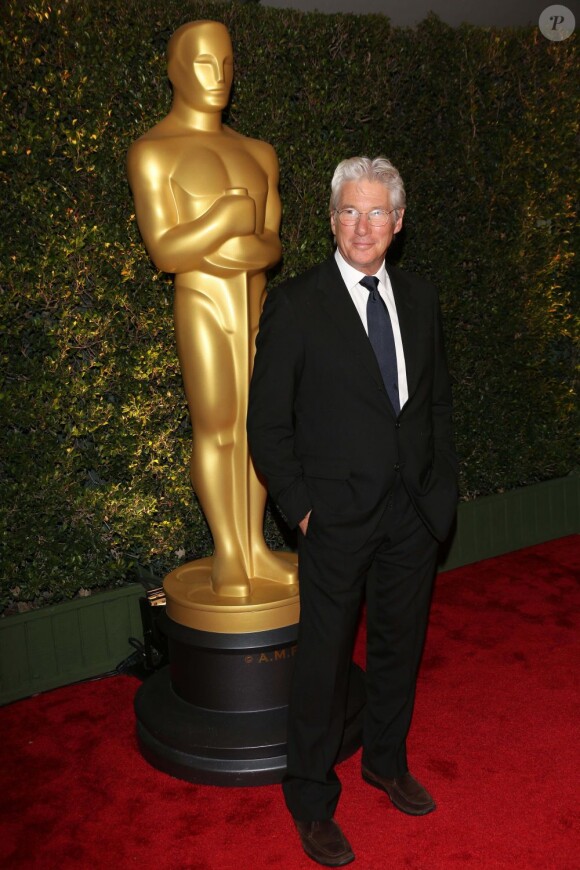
x,y
397,425
396,466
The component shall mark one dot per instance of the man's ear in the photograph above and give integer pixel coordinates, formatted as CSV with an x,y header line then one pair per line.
x,y
333,224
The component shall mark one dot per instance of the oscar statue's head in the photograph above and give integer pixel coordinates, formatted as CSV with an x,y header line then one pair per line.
x,y
201,65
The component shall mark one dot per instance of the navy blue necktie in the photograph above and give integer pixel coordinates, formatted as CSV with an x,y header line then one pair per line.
x,y
382,339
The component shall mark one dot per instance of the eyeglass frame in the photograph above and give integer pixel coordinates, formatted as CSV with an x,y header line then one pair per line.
x,y
339,211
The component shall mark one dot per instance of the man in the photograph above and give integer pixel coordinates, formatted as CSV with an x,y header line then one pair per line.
x,y
208,209
350,424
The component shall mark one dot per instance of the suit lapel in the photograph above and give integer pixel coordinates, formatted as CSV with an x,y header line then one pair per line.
x,y
341,312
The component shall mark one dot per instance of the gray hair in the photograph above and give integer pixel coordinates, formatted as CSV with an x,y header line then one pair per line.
x,y
379,169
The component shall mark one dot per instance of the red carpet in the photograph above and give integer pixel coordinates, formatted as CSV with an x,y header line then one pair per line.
x,y
494,738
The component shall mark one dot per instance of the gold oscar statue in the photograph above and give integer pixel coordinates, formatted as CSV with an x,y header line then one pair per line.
x,y
208,209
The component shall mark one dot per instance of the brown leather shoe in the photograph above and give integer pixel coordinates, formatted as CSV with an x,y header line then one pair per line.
x,y
406,793
324,842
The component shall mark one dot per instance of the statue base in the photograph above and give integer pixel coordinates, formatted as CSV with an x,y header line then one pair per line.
x,y
270,604
217,714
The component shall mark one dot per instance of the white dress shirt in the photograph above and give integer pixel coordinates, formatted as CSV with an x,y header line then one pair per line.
x,y
360,295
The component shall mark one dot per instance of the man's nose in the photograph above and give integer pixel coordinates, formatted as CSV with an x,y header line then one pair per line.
x,y
362,225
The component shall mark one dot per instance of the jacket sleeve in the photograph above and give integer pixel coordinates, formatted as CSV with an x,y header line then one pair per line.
x,y
273,392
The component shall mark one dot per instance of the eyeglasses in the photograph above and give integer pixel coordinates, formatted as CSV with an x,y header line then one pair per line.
x,y
377,217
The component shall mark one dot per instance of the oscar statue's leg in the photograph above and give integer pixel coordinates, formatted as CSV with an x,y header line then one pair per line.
x,y
206,353
265,564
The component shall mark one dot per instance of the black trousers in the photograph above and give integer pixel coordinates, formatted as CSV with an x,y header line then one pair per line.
x,y
396,569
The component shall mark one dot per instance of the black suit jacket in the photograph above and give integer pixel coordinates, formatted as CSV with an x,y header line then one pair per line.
x,y
321,428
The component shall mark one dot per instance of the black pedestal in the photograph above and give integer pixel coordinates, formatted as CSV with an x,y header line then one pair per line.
x,y
217,714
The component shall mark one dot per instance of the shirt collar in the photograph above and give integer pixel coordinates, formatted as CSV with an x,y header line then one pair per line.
x,y
352,276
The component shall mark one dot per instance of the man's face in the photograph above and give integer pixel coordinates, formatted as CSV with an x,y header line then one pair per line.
x,y
364,246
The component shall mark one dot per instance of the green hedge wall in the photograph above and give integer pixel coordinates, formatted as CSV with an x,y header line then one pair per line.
x,y
96,437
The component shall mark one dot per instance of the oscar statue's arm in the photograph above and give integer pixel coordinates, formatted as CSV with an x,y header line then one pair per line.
x,y
181,246
262,249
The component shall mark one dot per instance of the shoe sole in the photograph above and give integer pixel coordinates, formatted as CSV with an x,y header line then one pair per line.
x,y
342,862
